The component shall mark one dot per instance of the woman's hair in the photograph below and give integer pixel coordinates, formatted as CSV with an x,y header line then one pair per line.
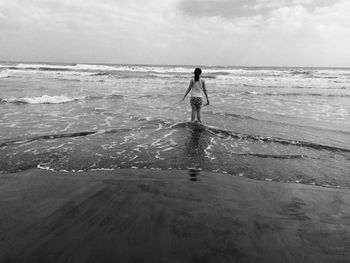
x,y
197,73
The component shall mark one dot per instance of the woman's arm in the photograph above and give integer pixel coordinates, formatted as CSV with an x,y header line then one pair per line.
x,y
205,92
189,89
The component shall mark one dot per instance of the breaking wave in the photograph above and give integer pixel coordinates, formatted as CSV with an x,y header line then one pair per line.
x,y
59,99
63,67
45,99
255,93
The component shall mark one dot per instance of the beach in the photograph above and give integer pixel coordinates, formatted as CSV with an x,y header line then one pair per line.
x,y
179,131
136,215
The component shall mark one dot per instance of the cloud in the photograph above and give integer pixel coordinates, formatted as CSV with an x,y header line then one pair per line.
x,y
234,32
129,30
243,8
82,13
299,33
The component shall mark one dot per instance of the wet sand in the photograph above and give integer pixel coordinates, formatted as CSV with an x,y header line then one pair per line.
x,y
163,216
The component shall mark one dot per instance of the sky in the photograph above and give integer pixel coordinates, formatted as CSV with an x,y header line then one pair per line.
x,y
182,32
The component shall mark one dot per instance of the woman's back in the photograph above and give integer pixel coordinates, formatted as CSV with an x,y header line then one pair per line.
x,y
197,88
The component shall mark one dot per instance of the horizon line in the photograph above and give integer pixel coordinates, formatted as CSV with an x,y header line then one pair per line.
x,y
167,65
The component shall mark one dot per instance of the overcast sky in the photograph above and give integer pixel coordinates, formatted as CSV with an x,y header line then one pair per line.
x,y
193,32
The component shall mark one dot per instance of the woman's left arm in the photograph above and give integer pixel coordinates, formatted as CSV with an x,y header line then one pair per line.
x,y
205,92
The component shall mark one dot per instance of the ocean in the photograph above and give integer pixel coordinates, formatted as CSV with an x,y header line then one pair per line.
x,y
280,124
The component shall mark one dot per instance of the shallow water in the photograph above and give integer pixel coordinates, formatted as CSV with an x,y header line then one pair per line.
x,y
281,124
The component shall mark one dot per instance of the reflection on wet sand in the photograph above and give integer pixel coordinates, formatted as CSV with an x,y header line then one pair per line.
x,y
196,144
193,172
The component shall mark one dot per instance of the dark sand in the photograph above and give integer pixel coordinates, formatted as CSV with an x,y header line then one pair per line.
x,y
162,216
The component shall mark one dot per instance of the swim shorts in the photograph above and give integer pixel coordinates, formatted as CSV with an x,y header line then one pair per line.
x,y
196,101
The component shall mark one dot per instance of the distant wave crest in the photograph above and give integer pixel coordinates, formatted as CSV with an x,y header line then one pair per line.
x,y
59,99
64,67
255,93
165,71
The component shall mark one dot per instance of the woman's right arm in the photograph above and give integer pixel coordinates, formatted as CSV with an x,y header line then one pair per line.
x,y
189,89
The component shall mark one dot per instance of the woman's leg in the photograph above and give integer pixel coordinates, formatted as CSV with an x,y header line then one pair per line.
x,y
199,114
194,112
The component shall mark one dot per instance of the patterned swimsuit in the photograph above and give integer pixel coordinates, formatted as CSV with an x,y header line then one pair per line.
x,y
196,93
196,101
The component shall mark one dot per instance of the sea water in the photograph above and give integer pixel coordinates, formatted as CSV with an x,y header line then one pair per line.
x,y
274,124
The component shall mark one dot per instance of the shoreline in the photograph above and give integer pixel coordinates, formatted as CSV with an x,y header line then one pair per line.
x,y
132,215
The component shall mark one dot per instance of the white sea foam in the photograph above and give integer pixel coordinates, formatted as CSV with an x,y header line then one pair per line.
x,y
4,74
45,99
93,67
25,66
66,67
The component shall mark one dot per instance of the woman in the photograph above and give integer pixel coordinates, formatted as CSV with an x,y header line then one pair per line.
x,y
197,88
